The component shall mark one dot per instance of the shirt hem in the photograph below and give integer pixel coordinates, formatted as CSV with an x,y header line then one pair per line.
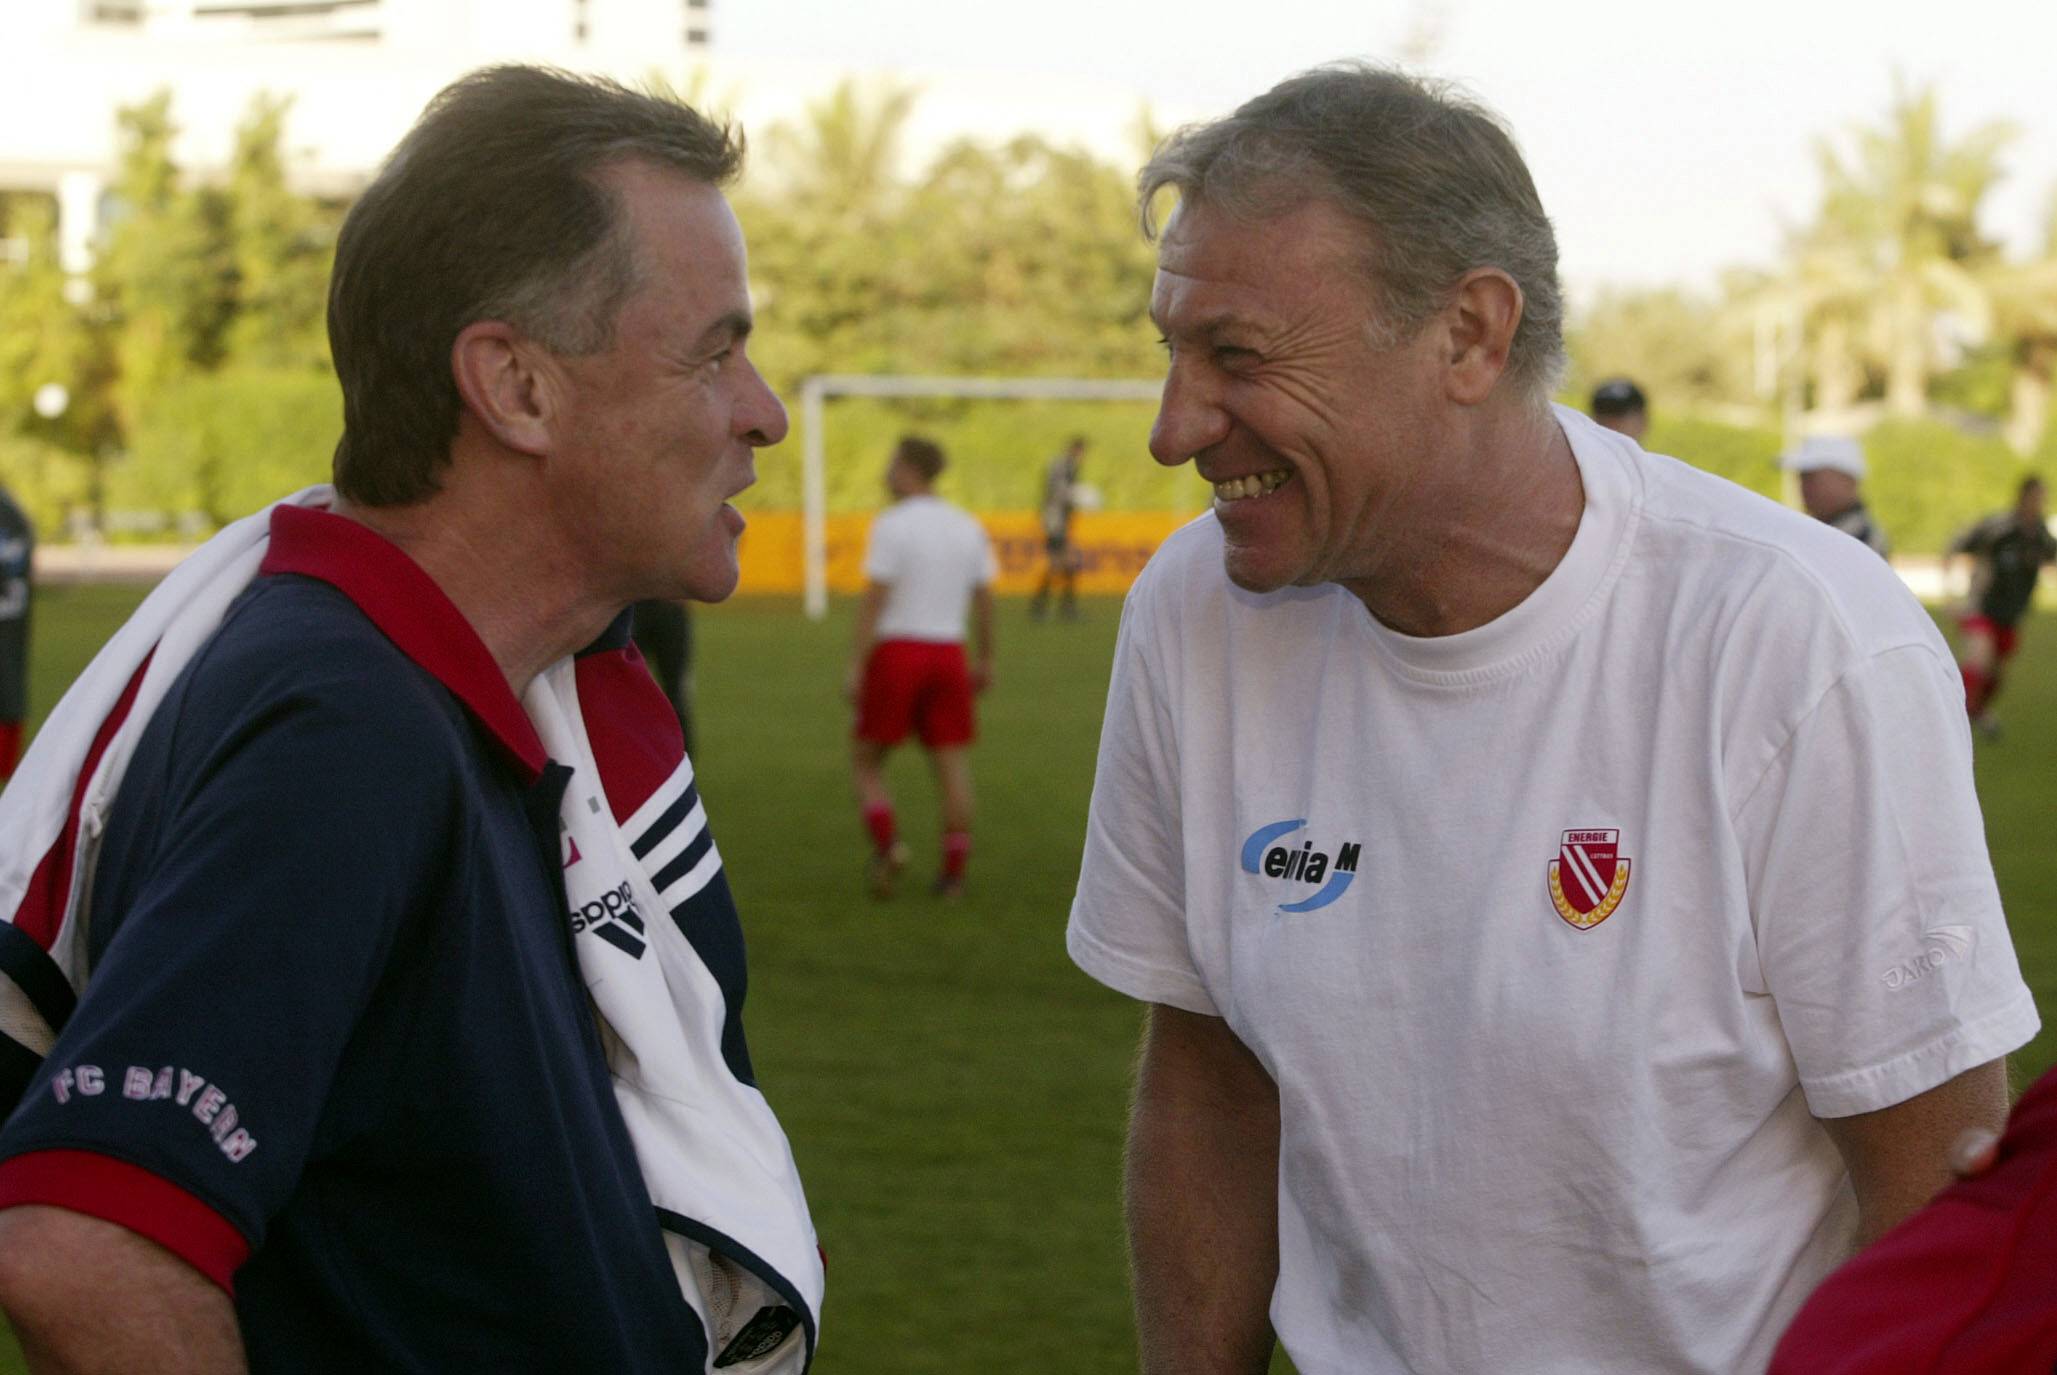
x,y
1142,982
101,1186
1919,1070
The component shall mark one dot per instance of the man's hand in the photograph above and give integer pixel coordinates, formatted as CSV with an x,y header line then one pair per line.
x,y
981,675
87,1297
853,684
1900,1157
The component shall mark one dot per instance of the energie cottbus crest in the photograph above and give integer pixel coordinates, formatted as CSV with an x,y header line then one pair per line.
x,y
1588,877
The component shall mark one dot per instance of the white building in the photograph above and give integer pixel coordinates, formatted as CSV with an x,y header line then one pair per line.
x,y
358,71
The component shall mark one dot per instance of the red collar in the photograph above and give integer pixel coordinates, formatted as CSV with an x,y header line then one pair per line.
x,y
411,611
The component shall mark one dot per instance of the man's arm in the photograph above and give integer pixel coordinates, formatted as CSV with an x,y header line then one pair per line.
x,y
1202,1199
866,636
982,636
87,1296
1899,1157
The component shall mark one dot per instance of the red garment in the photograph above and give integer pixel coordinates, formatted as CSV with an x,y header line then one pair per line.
x,y
916,685
1967,1286
2005,637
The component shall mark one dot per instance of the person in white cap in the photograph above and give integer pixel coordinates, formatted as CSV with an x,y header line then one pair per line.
x,y
1831,467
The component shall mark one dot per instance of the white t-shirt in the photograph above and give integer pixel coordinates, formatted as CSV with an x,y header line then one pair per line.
x,y
931,556
1600,904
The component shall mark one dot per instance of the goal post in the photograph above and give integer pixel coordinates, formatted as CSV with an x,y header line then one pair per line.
x,y
816,390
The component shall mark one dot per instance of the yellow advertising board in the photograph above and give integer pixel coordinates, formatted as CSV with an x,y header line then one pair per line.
x,y
1112,548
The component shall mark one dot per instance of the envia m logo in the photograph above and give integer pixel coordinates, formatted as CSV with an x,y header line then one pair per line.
x,y
1303,864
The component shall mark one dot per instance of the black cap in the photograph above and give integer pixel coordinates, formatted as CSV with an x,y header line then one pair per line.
x,y
1618,396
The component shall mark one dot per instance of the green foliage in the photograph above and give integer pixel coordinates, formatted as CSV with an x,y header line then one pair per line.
x,y
165,279
281,245
224,444
1022,259
1927,481
1675,344
997,452
1747,457
45,479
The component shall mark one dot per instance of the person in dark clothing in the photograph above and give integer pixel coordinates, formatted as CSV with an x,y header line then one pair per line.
x,y
2010,548
1620,405
17,546
664,634
1831,467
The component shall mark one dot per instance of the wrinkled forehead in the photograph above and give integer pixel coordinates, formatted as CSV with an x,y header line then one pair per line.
x,y
1213,255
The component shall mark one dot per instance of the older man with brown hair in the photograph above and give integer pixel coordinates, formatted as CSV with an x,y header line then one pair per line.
x,y
1554,872
335,1095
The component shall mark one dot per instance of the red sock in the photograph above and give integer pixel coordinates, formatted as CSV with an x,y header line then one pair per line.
x,y
1976,688
878,819
956,853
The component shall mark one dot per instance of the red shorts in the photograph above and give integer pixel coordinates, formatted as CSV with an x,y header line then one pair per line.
x,y
2004,637
916,685
10,747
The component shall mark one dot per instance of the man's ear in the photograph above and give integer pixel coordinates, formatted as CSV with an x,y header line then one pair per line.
x,y
504,379
1483,313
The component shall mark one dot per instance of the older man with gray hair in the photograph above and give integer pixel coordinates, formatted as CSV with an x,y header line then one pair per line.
x,y
1554,872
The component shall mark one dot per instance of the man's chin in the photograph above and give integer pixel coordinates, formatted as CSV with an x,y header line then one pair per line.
x,y
1249,570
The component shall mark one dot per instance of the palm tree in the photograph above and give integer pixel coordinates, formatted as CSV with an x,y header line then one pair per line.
x,y
1902,211
2025,312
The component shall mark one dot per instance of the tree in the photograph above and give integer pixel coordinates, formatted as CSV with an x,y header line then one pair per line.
x,y
280,246
2025,314
165,280
43,341
1899,215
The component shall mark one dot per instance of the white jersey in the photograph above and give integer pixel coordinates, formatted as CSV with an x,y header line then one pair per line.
x,y
1558,934
931,556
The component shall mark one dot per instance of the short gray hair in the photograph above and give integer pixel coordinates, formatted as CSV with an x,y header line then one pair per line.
x,y
1433,176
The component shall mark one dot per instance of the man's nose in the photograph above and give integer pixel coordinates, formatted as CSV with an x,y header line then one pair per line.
x,y
1189,417
761,415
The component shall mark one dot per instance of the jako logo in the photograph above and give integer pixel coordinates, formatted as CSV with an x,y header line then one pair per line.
x,y
1939,947
613,918
1303,865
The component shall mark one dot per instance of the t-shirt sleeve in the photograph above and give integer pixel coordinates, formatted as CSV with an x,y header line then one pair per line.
x,y
881,553
1128,920
1879,928
987,563
263,903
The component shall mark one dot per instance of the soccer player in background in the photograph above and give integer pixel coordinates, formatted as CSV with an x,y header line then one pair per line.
x,y
17,551
1831,469
926,563
2010,549
1619,404
1060,555
1554,873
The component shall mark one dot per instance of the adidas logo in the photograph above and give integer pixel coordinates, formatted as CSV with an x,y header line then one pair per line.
x,y
613,918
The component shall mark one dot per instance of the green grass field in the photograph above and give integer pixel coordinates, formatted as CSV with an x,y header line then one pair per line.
x,y
953,1088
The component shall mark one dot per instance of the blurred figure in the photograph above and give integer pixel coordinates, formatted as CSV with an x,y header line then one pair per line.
x,y
17,549
664,633
1619,404
2010,549
1966,1286
927,562
1061,560
1831,467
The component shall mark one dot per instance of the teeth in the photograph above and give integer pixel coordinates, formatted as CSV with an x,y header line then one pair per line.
x,y
1237,488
